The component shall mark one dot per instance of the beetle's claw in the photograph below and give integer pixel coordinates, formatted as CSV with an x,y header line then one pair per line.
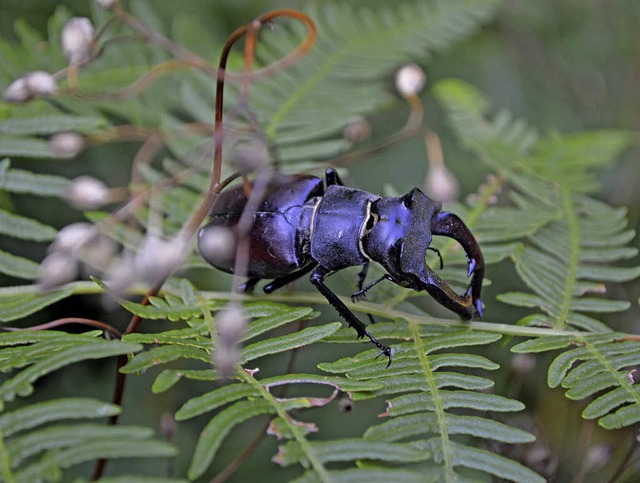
x,y
385,351
358,296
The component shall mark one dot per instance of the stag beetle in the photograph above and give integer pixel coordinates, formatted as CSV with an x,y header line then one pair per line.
x,y
301,227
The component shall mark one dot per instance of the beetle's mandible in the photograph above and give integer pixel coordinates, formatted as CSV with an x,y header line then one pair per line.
x,y
300,227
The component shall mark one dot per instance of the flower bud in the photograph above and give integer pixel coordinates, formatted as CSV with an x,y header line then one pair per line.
x,y
57,269
87,193
440,183
77,36
40,83
74,237
106,3
357,130
32,84
66,144
216,242
250,156
157,258
231,323
16,91
410,79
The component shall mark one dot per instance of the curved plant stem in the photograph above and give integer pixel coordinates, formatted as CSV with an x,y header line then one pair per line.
x,y
69,320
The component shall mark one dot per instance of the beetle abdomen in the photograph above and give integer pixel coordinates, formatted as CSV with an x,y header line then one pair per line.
x,y
277,235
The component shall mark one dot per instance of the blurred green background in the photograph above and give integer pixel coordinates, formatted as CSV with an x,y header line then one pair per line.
x,y
562,65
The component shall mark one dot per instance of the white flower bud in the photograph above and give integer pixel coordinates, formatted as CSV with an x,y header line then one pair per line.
x,y
74,237
17,91
87,193
250,156
106,3
32,84
410,79
598,456
66,144
121,274
157,258
441,184
231,323
40,83
216,242
357,130
77,36
57,269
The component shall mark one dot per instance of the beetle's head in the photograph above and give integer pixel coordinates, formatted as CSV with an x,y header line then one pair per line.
x,y
400,232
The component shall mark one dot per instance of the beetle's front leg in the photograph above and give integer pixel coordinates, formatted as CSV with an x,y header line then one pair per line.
x,y
317,279
448,224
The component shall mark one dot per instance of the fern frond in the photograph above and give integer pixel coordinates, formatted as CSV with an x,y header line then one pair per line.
x,y
43,352
566,254
601,367
419,411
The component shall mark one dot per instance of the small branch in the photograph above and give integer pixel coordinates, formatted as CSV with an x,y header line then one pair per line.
x,y
66,321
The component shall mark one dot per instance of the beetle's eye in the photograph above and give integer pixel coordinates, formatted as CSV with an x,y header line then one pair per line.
x,y
408,199
371,222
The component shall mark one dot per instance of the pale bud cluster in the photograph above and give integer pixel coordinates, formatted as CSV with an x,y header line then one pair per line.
x,y
87,193
74,242
31,85
66,144
231,323
77,38
410,80
159,257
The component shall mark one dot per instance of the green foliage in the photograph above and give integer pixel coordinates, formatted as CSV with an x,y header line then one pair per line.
x,y
448,416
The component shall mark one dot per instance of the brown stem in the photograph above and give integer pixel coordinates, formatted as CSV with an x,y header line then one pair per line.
x,y
69,320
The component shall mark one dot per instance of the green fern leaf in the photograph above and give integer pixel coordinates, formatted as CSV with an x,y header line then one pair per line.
x,y
74,348
287,342
162,355
170,377
41,413
218,428
48,124
17,306
17,267
351,450
25,182
25,228
92,450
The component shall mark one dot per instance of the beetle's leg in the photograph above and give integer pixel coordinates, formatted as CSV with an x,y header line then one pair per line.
x,y
317,279
448,224
333,177
249,285
282,281
361,278
360,294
